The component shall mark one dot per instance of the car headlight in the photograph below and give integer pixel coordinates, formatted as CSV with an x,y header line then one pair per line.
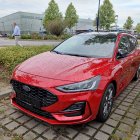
x,y
90,84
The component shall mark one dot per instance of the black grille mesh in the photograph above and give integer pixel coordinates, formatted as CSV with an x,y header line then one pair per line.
x,y
33,109
36,96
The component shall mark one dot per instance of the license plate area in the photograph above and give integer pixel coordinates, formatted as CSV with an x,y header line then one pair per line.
x,y
29,99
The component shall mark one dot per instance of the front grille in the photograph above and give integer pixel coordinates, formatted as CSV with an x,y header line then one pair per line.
x,y
33,109
35,96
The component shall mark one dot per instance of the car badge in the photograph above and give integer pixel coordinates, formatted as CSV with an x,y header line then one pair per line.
x,y
26,88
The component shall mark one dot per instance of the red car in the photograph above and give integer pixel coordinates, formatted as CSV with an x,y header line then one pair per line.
x,y
78,80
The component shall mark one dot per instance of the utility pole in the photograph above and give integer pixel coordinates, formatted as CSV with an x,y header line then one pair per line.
x,y
98,17
116,20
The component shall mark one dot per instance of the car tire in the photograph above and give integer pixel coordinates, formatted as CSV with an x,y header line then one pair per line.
x,y
106,104
137,75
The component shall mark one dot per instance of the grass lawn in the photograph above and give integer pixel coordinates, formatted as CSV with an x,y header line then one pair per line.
x,y
10,57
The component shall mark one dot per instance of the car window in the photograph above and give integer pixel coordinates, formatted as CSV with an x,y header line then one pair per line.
x,y
124,44
137,44
89,45
133,43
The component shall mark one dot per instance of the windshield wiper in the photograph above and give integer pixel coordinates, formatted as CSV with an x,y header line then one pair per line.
x,y
70,54
77,55
57,52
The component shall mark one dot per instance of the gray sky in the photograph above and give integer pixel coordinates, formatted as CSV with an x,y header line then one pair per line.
x,y
85,8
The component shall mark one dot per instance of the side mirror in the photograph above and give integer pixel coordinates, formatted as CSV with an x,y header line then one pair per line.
x,y
122,53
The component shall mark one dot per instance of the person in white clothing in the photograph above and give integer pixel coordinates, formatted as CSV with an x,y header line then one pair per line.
x,y
16,34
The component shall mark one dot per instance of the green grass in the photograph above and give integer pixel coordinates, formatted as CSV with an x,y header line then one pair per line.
x,y
10,57
17,137
2,111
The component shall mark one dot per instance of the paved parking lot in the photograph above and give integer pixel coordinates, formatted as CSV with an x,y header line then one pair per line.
x,y
123,123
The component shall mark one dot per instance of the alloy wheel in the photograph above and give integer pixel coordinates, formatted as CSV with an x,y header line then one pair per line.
x,y
108,102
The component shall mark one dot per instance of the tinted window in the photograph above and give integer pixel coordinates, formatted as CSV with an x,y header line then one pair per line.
x,y
124,44
137,44
88,45
133,43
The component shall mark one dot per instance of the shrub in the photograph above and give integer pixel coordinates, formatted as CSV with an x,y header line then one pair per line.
x,y
51,37
25,36
10,37
12,56
54,37
65,36
35,36
56,27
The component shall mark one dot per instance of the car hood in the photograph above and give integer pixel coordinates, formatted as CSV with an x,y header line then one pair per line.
x,y
63,67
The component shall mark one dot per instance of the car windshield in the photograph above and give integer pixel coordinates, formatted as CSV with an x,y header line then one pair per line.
x,y
88,45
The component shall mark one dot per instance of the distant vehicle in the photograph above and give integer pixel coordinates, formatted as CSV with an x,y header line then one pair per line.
x,y
137,36
3,35
83,31
78,80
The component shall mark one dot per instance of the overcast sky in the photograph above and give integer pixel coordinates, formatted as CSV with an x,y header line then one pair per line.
x,y
85,8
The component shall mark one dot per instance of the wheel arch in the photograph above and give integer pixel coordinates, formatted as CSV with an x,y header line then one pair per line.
x,y
115,86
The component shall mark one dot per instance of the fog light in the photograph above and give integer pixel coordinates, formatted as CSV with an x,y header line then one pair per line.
x,y
76,109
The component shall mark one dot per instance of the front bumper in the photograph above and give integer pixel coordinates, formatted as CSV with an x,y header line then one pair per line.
x,y
56,118
59,116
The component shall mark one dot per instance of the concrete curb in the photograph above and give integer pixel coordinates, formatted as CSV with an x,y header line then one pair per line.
x,y
5,93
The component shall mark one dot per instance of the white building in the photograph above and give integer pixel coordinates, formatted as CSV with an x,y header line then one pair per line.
x,y
32,22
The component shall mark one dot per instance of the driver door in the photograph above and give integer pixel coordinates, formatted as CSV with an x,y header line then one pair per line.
x,y
125,63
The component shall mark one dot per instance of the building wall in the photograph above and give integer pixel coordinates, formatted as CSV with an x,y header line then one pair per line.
x,y
7,21
82,25
30,22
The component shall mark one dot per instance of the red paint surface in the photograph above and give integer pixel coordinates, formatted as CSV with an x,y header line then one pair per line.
x,y
49,70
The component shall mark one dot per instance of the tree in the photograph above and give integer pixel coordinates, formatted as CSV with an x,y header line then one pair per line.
x,y
138,28
71,17
128,24
52,14
107,15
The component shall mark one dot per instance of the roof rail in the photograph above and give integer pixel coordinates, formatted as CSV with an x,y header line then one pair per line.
x,y
128,32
